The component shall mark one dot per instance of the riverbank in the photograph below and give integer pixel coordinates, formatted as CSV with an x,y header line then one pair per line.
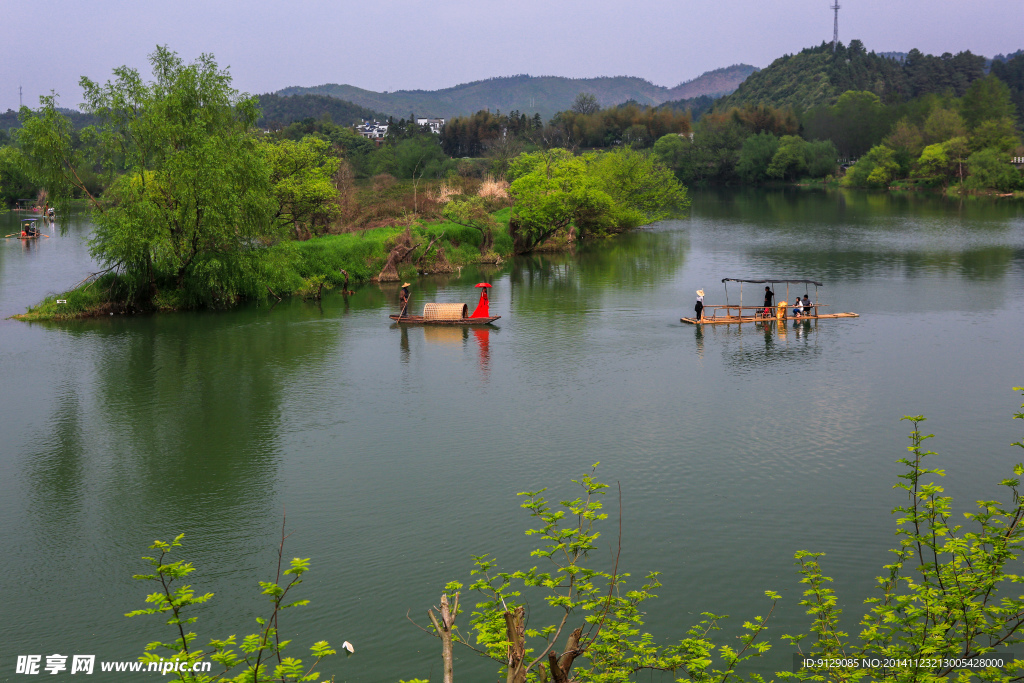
x,y
304,268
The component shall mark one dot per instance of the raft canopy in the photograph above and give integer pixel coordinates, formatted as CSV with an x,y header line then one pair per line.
x,y
774,282
435,311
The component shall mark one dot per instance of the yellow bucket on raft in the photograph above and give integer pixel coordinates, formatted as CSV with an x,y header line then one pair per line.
x,y
780,311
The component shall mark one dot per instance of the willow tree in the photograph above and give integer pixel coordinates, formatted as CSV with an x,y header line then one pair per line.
x,y
189,199
554,191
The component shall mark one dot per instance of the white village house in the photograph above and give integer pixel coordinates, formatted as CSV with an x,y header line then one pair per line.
x,y
377,131
435,124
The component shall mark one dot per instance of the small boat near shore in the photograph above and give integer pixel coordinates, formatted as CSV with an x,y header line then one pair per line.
x,y
726,314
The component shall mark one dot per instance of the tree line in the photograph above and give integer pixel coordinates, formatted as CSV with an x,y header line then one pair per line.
x,y
927,140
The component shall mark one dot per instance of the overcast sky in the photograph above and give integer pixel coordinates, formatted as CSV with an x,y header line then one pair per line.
x,y
400,44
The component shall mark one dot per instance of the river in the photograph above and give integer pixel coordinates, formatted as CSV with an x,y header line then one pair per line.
x,y
396,453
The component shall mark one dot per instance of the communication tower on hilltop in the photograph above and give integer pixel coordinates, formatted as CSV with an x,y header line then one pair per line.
x,y
835,26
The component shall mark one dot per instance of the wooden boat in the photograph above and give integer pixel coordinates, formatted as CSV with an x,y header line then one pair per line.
x,y
452,314
420,320
717,314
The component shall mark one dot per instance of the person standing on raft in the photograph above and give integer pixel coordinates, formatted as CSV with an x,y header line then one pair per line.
x,y
698,308
403,299
769,296
483,307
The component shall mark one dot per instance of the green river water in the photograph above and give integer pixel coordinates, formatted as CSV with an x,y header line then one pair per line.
x,y
396,453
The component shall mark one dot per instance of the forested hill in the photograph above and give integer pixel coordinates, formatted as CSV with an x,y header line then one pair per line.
x,y
546,95
285,110
276,109
79,120
816,76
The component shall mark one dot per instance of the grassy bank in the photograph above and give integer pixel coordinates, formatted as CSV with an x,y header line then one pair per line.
x,y
300,268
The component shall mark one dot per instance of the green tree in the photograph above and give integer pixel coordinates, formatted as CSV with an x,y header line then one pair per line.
x,y
573,599
554,191
301,174
473,214
991,169
933,162
420,156
790,160
261,659
194,200
644,190
551,190
943,124
821,158
877,168
860,120
676,152
907,142
755,157
986,99
1000,134
15,182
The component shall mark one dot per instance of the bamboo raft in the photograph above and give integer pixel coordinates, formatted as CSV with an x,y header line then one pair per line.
x,y
732,319
735,314
29,231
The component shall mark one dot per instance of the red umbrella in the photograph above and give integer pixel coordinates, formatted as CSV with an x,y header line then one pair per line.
x,y
483,284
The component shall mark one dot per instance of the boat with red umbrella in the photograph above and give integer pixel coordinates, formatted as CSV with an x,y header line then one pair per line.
x,y
453,314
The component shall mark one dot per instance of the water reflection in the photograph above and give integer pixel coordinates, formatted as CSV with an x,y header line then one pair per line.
x,y
467,338
857,263
188,414
597,273
483,340
794,207
403,343
762,346
56,468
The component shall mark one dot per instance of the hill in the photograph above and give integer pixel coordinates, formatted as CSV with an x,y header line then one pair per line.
x,y
79,120
546,95
712,83
284,110
817,76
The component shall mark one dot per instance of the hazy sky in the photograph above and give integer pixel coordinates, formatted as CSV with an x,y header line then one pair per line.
x,y
400,44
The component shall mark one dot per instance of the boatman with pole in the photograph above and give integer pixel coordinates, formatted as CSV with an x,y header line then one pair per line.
x,y
403,299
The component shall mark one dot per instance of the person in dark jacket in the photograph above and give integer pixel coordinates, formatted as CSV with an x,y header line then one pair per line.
x,y
769,298
403,300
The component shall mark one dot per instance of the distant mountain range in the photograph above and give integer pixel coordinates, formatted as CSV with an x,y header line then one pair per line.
x,y
546,95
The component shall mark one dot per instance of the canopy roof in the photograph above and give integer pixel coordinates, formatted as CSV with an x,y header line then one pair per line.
x,y
775,281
